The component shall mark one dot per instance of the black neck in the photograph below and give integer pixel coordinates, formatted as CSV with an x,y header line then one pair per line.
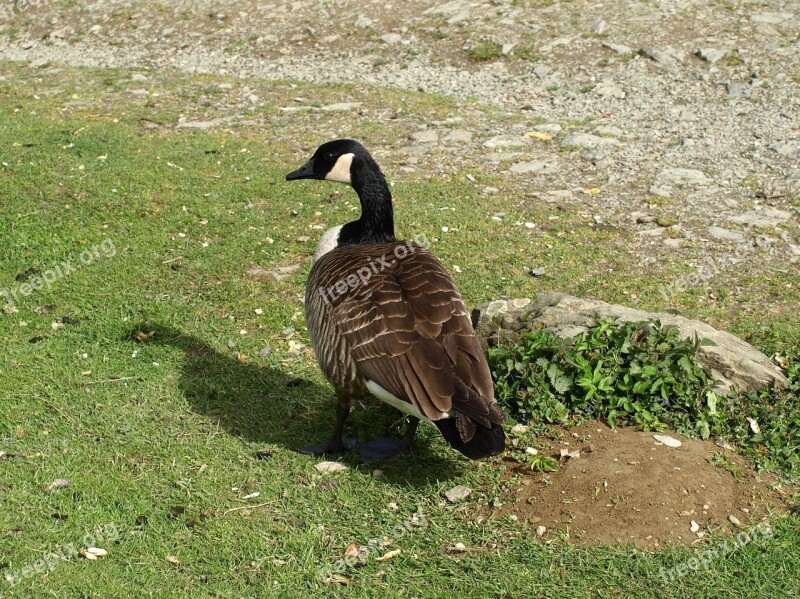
x,y
376,224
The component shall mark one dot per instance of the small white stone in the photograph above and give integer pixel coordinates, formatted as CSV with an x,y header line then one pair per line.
x,y
694,527
667,440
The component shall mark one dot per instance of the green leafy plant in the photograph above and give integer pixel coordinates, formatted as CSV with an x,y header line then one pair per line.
x,y
643,374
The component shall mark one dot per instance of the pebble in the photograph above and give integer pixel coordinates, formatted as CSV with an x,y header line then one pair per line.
x,y
458,493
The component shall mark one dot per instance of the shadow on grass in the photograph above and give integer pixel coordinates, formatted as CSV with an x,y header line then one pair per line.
x,y
262,404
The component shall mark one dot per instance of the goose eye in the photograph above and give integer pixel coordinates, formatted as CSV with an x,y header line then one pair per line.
x,y
328,156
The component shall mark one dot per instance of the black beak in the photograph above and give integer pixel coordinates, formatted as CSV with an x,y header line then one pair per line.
x,y
304,172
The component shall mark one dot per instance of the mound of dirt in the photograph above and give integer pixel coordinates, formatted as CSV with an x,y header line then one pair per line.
x,y
625,487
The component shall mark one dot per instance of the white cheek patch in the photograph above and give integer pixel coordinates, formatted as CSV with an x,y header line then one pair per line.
x,y
341,170
328,242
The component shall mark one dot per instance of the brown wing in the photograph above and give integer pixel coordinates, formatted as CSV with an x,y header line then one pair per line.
x,y
405,326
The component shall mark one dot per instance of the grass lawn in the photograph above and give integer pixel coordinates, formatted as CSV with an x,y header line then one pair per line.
x,y
166,442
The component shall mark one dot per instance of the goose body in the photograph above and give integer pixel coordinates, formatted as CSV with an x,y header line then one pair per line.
x,y
386,320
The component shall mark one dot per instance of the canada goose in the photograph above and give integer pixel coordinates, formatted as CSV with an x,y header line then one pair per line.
x,y
386,319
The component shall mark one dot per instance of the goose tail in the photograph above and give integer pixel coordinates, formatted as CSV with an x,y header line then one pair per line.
x,y
485,442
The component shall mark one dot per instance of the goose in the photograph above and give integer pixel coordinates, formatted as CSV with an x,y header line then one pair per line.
x,y
386,320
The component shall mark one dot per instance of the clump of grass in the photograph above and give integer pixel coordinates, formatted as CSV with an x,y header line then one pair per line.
x,y
484,52
643,374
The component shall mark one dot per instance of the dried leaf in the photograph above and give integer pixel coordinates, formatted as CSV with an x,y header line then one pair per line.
x,y
389,555
331,467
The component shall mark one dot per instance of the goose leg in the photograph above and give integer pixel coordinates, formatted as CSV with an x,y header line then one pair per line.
x,y
390,448
335,444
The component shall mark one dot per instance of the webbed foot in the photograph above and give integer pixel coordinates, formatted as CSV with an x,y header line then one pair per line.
x,y
385,449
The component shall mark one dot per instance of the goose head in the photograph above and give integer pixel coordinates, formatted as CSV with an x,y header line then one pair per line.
x,y
334,161
347,161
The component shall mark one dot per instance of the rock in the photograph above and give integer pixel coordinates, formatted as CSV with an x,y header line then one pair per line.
x,y
731,361
667,440
682,176
548,128
738,90
519,429
540,530
711,55
341,107
789,149
618,48
428,136
535,166
391,38
537,272
734,520
598,27
457,494
764,217
610,89
694,527
724,234
461,136
771,18
658,56
587,140
542,70
505,141
38,63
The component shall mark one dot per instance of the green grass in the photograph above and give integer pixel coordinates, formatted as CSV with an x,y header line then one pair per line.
x,y
163,438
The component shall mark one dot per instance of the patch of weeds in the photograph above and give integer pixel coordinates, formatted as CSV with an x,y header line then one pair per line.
x,y
484,52
438,34
587,88
723,460
551,88
644,374
731,59
656,201
526,53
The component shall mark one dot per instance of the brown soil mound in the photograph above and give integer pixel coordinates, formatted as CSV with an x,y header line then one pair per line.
x,y
625,487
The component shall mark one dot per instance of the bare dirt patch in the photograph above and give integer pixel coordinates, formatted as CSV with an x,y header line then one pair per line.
x,y
627,488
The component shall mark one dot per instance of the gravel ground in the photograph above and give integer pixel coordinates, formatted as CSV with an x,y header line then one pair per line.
x,y
677,120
